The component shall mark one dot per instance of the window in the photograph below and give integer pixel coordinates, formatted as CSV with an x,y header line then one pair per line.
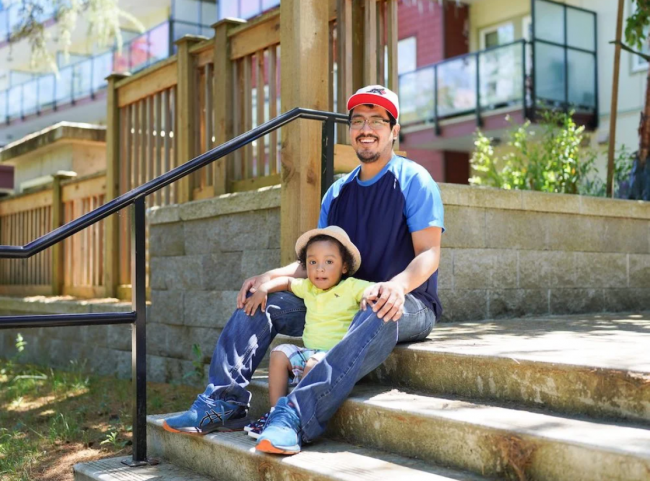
x,y
497,35
407,59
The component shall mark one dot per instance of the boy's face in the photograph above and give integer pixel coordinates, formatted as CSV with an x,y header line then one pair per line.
x,y
325,264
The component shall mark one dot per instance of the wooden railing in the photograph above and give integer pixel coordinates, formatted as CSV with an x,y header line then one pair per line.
x,y
209,92
75,269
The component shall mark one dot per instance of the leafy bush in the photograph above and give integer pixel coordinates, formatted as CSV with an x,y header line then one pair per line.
x,y
554,162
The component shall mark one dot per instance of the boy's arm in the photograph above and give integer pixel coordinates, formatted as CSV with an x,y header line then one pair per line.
x,y
294,270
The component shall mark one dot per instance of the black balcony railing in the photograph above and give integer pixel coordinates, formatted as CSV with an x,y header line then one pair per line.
x,y
136,199
557,69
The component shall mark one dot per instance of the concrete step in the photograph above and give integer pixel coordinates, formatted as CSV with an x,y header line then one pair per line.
x,y
494,441
232,456
112,469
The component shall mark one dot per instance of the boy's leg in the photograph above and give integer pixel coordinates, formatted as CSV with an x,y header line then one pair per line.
x,y
279,368
239,350
366,345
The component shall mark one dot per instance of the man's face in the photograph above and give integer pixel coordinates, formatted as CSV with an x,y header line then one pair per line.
x,y
372,143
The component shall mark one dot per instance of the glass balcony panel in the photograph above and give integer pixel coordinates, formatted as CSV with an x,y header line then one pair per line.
x,y
249,8
580,29
501,76
267,4
549,21
549,73
15,102
228,9
30,97
4,29
582,80
82,79
159,43
3,107
102,68
457,86
208,14
187,10
64,86
417,96
46,91
138,53
14,17
182,29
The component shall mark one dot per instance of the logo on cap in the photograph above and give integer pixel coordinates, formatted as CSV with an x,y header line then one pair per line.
x,y
377,91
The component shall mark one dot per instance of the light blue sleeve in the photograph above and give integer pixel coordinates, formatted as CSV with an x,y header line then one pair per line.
x,y
325,208
423,203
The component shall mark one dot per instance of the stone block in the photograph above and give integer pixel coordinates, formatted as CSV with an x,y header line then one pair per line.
x,y
204,236
167,240
492,198
176,273
206,338
177,341
166,307
157,339
67,333
258,200
515,230
545,202
123,364
446,269
600,206
208,308
248,230
517,302
572,233
222,271
464,304
576,301
639,275
464,227
163,215
473,268
256,262
628,299
103,362
164,369
119,337
601,270
505,273
626,235
273,228
545,269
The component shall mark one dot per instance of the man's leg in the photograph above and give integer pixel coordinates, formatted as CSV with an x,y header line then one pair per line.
x,y
239,350
366,345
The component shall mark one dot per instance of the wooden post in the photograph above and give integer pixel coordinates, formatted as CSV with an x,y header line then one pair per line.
x,y
305,83
391,41
186,125
370,43
358,37
614,105
344,39
223,100
111,226
57,249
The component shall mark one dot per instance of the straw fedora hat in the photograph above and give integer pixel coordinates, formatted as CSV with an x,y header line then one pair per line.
x,y
338,234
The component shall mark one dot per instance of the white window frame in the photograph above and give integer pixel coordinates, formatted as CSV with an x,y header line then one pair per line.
x,y
494,28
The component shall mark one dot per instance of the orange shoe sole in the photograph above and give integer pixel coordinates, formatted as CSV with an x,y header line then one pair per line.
x,y
265,446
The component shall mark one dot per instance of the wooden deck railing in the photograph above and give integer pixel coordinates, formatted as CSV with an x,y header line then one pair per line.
x,y
209,92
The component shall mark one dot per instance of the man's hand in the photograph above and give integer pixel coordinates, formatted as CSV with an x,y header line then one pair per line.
x,y
251,284
258,299
386,299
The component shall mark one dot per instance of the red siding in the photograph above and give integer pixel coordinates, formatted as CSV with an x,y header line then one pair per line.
x,y
6,177
424,21
431,160
456,31
456,167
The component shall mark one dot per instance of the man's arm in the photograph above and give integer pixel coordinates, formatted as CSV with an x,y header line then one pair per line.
x,y
390,295
294,269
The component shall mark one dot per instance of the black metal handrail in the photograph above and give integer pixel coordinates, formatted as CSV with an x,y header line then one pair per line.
x,y
136,198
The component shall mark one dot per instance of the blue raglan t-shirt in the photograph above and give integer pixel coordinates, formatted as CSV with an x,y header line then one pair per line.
x,y
380,214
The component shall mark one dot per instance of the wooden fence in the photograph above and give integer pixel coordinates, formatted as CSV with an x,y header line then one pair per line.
x,y
209,92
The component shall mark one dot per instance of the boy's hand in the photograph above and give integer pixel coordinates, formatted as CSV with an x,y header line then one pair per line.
x,y
258,299
251,284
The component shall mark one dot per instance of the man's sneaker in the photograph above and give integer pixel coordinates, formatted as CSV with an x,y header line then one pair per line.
x,y
282,431
255,428
207,415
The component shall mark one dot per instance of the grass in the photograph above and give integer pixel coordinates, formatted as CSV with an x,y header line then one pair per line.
x,y
51,419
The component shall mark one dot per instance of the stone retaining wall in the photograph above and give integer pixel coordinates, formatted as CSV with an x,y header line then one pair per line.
x,y
506,253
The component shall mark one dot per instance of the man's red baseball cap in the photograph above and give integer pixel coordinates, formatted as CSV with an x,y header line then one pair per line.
x,y
376,95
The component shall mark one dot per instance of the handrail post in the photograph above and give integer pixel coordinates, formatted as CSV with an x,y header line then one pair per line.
x,y
327,156
138,335
111,227
186,121
223,101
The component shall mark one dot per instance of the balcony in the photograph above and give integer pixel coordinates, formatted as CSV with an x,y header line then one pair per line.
x,y
10,17
443,104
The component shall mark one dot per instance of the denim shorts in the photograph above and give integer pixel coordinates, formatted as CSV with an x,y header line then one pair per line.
x,y
298,357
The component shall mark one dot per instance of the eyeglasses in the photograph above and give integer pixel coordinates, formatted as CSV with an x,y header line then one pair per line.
x,y
374,123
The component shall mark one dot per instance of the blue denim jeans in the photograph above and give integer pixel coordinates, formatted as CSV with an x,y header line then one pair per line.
x,y
368,342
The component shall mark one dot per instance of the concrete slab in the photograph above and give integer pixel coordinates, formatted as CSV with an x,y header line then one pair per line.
x,y
488,439
112,469
232,456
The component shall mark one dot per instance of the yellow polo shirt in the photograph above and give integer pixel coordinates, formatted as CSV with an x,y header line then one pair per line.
x,y
330,312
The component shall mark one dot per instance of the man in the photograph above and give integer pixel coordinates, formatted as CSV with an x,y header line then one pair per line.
x,y
392,211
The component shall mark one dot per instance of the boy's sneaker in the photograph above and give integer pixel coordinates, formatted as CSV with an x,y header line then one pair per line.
x,y
282,431
255,428
207,415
